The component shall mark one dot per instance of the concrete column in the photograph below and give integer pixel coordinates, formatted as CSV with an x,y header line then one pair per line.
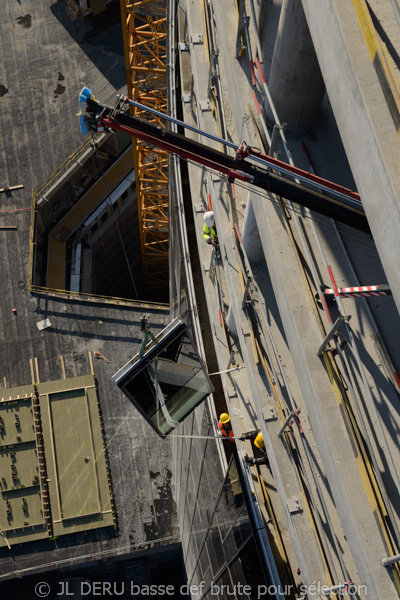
x,y
295,81
250,234
254,250
231,323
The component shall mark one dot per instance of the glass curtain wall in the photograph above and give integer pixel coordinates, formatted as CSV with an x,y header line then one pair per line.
x,y
219,547
218,541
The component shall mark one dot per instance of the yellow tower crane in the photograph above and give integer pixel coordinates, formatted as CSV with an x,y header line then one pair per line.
x,y
144,36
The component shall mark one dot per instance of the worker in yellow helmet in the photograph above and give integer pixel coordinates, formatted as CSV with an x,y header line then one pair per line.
x,y
262,458
259,442
225,426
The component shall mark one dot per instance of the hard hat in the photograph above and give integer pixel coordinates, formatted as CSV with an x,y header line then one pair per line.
x,y
259,441
224,418
209,218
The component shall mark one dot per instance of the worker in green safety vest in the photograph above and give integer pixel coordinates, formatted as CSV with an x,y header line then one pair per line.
x,y
210,230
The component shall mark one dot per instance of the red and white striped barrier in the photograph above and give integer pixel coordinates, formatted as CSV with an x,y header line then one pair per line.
x,y
361,291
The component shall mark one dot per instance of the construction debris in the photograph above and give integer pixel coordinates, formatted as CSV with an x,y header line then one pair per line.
x,y
98,355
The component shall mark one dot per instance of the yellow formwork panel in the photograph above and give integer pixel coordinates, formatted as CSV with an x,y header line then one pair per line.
x,y
75,455
21,518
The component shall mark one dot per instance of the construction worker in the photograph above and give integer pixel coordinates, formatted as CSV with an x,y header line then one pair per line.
x,y
210,230
145,329
225,426
262,459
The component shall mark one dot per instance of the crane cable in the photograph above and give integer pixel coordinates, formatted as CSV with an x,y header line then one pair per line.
x,y
108,200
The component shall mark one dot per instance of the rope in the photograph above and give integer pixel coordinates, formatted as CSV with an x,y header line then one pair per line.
x,y
208,437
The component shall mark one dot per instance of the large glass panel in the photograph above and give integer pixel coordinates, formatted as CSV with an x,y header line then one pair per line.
x,y
227,559
224,588
252,569
168,381
216,548
239,581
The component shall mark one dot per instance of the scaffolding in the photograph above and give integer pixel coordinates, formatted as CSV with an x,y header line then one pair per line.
x,y
144,35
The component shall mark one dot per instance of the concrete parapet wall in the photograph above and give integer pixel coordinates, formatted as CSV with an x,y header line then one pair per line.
x,y
366,126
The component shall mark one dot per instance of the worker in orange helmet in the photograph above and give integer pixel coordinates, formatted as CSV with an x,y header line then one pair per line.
x,y
225,426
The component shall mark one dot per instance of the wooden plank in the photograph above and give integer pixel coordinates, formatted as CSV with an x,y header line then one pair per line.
x,y
32,371
5,539
12,187
55,475
4,382
63,366
94,459
91,362
37,370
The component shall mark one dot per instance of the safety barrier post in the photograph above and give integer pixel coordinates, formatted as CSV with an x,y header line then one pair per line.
x,y
246,291
211,71
294,413
192,94
275,133
334,331
231,358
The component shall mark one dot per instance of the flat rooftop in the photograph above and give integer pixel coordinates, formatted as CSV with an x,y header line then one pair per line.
x,y
42,132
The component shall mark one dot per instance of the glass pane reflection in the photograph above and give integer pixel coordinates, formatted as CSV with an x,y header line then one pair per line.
x,y
168,381
228,559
